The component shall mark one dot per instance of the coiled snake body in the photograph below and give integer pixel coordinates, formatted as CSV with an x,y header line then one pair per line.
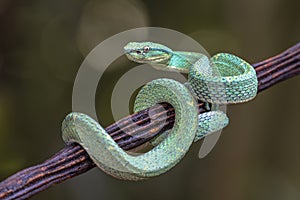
x,y
223,79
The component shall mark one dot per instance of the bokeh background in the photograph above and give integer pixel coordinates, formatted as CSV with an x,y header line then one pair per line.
x,y
42,44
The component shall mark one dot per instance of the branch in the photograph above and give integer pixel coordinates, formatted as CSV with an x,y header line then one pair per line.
x,y
73,160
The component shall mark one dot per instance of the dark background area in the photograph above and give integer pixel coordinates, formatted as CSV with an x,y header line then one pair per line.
x,y
42,44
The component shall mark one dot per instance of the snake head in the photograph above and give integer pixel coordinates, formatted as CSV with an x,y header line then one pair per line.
x,y
148,52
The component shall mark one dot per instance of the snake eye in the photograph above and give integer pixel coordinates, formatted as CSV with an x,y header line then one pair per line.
x,y
146,49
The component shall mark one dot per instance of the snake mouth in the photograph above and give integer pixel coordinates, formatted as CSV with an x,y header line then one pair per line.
x,y
134,58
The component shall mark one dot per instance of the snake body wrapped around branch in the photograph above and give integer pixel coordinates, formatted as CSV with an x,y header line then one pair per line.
x,y
223,79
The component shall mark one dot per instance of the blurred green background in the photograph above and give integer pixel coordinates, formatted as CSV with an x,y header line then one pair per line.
x,y
42,44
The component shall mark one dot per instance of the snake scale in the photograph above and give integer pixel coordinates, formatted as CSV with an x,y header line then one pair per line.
x,y
223,79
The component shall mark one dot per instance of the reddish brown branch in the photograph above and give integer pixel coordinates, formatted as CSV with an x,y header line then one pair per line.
x,y
73,160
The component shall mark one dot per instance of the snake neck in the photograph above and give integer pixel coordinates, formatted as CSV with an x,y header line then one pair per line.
x,y
182,61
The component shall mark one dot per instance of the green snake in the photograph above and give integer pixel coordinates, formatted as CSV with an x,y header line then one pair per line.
x,y
223,79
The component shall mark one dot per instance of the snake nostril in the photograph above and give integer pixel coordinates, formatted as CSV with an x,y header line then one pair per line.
x,y
138,52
